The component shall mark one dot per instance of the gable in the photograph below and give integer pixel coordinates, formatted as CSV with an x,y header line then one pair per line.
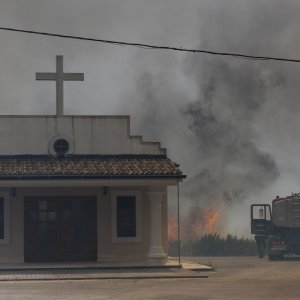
x,y
92,135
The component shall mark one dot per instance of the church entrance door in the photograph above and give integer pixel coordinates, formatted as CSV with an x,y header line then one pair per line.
x,y
60,229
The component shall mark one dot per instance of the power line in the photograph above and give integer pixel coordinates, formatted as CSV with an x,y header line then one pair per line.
x,y
148,46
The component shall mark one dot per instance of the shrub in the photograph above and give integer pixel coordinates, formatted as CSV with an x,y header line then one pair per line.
x,y
214,245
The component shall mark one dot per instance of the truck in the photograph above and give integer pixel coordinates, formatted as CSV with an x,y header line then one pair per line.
x,y
277,226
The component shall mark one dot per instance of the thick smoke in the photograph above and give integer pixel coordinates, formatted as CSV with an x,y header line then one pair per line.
x,y
234,165
226,143
231,165
232,124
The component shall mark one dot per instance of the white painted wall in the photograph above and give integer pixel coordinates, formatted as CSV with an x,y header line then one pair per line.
x,y
86,135
108,251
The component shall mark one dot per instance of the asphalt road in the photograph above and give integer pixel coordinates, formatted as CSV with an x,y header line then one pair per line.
x,y
234,278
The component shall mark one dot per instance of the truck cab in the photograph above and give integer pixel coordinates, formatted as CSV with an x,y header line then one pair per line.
x,y
279,226
260,225
260,218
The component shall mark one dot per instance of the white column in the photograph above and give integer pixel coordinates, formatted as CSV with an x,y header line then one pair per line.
x,y
156,250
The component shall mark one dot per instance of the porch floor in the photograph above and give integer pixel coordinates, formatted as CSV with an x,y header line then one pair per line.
x,y
94,270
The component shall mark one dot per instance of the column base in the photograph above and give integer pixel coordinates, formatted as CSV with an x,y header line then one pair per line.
x,y
156,261
157,252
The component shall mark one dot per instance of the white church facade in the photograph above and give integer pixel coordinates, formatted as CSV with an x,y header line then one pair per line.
x,y
82,188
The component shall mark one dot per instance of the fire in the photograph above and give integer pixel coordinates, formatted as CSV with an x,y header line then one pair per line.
x,y
197,222
210,219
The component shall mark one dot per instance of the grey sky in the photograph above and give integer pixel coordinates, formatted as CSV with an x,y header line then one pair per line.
x,y
235,119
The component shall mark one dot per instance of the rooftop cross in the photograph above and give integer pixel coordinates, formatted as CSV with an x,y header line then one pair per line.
x,y
60,77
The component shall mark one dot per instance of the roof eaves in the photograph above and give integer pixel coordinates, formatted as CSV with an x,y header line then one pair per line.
x,y
78,177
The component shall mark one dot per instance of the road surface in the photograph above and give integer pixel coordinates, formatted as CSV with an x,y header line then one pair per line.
x,y
234,278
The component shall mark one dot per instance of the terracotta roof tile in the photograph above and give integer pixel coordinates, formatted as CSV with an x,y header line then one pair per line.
x,y
100,166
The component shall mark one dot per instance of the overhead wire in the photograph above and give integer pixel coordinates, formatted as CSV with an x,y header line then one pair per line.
x,y
150,46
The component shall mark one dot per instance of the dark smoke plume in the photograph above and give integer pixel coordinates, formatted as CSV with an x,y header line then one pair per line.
x,y
225,112
232,124
231,166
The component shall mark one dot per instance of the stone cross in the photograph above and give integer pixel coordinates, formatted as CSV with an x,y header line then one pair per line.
x,y
60,77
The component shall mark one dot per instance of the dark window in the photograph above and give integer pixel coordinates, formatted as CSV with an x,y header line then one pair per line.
x,y
1,218
61,146
126,216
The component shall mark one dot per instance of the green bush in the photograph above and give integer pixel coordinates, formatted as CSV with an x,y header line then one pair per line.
x,y
214,245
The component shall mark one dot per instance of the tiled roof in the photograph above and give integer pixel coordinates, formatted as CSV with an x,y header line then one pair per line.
x,y
88,166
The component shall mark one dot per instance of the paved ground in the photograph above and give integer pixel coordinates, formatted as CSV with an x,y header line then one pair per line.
x,y
94,270
234,278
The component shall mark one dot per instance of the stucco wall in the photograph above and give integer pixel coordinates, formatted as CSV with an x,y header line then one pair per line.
x,y
111,250
107,250
86,135
12,252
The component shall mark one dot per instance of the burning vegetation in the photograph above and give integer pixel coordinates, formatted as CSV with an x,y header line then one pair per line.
x,y
197,222
200,234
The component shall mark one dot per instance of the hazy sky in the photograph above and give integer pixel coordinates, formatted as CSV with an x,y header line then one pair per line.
x,y
232,124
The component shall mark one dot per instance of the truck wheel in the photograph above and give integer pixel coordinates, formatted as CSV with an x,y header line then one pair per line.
x,y
272,257
275,256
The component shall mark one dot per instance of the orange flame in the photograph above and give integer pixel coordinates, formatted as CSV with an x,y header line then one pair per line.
x,y
210,219
197,222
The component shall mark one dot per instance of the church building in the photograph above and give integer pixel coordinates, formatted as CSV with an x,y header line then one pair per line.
x,y
81,188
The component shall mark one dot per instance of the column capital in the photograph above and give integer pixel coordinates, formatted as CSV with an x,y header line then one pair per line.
x,y
155,195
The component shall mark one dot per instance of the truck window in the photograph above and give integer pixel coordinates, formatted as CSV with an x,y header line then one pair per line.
x,y
261,212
